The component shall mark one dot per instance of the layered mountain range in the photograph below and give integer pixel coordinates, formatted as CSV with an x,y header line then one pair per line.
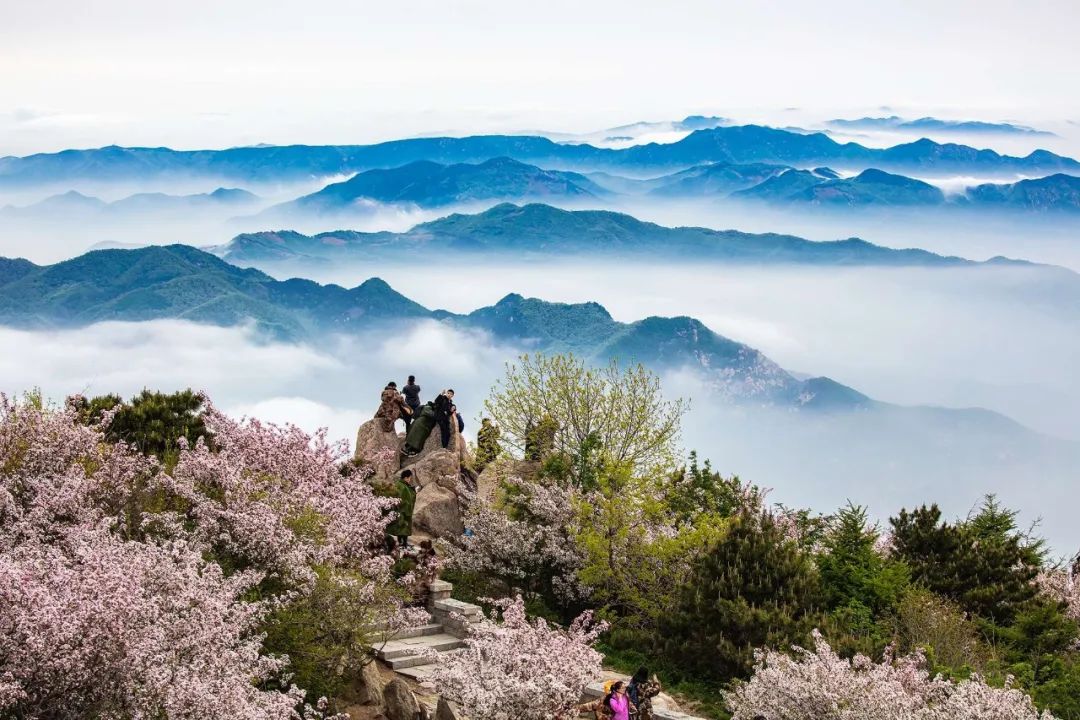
x,y
538,230
181,282
731,144
427,184
936,125
76,204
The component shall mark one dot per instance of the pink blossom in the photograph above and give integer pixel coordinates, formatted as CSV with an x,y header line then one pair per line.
x,y
820,685
109,609
521,669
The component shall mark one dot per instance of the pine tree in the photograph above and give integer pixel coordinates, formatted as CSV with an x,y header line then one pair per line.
x,y
752,588
852,571
983,563
153,422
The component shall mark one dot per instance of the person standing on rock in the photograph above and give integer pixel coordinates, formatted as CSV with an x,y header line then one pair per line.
x,y
444,411
401,526
411,391
391,407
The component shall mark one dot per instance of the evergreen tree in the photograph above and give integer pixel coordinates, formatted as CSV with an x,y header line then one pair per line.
x,y
984,563
697,489
153,422
753,587
852,571
860,586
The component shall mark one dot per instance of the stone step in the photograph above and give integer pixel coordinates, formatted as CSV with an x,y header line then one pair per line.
x,y
415,631
449,605
381,627
423,671
409,648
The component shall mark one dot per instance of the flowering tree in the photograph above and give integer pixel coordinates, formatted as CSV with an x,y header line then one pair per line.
x,y
93,623
820,685
621,412
521,669
274,498
129,592
530,550
1061,586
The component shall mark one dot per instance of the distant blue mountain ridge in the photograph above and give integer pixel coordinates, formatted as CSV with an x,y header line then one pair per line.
x,y
428,184
542,231
932,124
731,144
184,283
75,203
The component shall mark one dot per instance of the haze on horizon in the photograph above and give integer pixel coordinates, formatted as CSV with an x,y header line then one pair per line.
x,y
202,74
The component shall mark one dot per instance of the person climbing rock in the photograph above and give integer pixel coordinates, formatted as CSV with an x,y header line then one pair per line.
x,y
487,444
418,433
411,391
391,407
401,526
444,411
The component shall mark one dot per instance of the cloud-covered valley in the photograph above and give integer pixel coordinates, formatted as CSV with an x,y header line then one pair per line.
x,y
884,459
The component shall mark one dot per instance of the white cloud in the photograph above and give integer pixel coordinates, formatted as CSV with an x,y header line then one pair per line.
x,y
816,460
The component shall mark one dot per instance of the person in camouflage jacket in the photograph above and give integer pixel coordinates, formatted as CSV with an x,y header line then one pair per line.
x,y
391,407
642,689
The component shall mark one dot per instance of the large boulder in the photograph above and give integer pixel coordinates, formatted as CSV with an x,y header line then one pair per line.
x,y
399,701
456,445
368,687
381,448
438,512
441,467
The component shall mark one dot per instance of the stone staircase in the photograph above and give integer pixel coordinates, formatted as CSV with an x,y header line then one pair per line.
x,y
415,652
409,652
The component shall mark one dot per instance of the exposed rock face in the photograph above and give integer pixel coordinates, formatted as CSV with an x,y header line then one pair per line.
x,y
438,512
457,446
373,443
447,711
440,466
441,473
400,702
487,485
368,689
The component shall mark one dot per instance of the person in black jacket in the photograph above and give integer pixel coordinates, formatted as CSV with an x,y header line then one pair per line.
x,y
444,410
411,391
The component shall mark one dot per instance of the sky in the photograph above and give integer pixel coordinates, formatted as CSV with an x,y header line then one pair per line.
x,y
218,74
